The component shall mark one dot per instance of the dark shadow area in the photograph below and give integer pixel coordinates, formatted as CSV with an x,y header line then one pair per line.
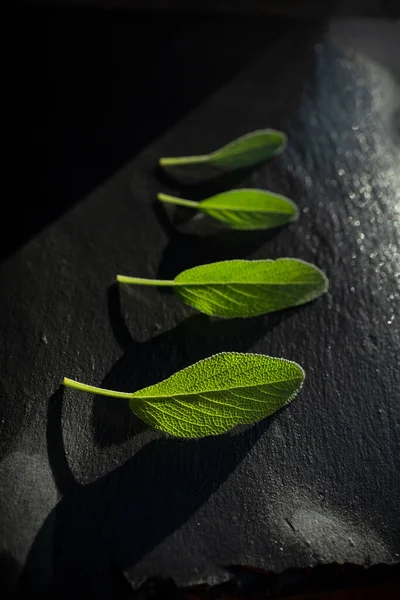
x,y
202,183
114,422
396,126
92,87
9,571
116,520
121,588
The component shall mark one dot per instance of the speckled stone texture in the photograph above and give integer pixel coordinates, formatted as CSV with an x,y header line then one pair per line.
x,y
86,488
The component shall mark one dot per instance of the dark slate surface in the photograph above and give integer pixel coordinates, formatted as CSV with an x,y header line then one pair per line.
x,y
85,488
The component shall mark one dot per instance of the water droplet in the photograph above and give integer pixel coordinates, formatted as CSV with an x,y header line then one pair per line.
x,y
341,172
355,127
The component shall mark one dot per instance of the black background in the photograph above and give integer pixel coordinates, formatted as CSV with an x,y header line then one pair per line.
x,y
86,489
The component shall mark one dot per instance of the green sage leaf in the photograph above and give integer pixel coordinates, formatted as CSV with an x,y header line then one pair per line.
x,y
214,395
244,208
244,288
248,150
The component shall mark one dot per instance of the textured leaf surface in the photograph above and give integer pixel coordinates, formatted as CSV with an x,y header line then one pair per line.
x,y
245,288
244,208
216,394
247,150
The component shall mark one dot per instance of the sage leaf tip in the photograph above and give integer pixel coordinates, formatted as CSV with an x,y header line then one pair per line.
x,y
281,138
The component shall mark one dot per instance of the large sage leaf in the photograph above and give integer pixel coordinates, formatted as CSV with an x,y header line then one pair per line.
x,y
244,288
213,395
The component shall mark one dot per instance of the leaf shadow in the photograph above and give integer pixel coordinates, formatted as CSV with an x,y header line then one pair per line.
x,y
204,186
58,461
185,250
195,338
9,570
101,528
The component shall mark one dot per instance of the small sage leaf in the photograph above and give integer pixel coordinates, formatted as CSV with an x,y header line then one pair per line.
x,y
246,151
244,288
243,209
213,395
